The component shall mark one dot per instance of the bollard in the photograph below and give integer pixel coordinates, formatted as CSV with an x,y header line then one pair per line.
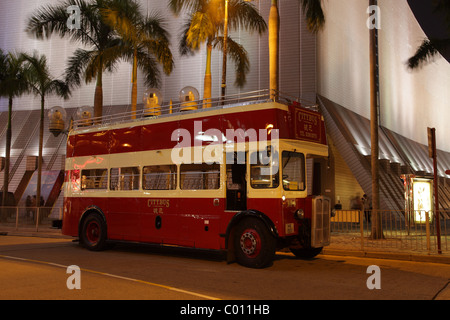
x,y
361,227
37,219
17,218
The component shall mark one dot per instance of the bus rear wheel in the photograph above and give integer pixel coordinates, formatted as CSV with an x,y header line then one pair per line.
x,y
254,244
93,233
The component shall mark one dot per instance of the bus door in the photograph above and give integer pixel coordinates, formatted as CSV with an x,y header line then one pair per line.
x,y
236,181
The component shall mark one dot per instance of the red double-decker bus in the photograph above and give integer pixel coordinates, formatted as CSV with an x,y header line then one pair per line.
x,y
228,175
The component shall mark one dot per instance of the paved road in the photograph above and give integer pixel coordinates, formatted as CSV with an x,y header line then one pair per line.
x,y
36,268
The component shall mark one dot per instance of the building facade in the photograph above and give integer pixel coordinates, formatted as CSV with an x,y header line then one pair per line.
x,y
331,68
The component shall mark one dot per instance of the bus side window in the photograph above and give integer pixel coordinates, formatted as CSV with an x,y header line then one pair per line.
x,y
94,179
159,177
126,179
200,176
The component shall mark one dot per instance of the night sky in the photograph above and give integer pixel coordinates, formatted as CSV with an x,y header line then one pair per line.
x,y
432,22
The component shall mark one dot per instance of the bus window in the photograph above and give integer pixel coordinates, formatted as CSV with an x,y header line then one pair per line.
x,y
293,168
259,179
94,179
200,176
159,178
124,178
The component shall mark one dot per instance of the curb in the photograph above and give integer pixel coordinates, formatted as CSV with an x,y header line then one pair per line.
x,y
37,234
389,255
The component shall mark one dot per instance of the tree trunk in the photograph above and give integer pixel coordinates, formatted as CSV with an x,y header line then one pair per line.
x,y
39,177
98,98
207,85
274,47
225,48
134,86
7,160
377,231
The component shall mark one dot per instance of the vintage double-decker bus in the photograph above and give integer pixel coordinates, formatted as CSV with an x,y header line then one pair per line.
x,y
228,175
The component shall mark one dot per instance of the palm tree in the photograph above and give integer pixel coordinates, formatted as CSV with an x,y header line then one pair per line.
x,y
206,23
12,85
315,19
104,46
144,39
42,84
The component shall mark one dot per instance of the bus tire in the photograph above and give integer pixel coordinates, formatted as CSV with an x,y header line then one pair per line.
x,y
254,245
93,232
306,253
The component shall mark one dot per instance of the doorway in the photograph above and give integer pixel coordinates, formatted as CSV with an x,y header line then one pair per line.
x,y
236,181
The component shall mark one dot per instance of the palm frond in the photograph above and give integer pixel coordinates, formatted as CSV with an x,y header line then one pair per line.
x,y
315,17
427,51
59,88
149,66
201,28
245,15
239,56
183,46
77,65
13,83
39,79
189,5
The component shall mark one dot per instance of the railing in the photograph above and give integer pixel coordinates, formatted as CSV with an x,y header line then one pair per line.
x,y
415,231
167,110
29,217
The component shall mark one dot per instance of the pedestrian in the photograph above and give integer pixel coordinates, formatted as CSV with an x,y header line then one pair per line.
x,y
28,204
366,206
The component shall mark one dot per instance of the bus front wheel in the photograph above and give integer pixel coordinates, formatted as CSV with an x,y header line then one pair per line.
x,y
93,233
254,245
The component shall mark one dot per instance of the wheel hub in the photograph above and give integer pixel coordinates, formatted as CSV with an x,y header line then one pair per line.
x,y
250,243
93,232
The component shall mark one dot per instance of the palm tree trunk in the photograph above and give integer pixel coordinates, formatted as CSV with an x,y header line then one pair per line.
x,y
7,160
134,86
39,177
377,232
207,84
225,49
274,47
98,98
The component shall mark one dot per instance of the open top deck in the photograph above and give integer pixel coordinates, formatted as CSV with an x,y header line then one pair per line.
x,y
167,110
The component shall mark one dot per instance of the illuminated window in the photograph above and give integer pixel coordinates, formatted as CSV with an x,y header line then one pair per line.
x,y
293,167
159,177
200,176
124,178
94,179
263,174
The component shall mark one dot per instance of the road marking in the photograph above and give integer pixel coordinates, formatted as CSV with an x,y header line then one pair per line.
x,y
115,276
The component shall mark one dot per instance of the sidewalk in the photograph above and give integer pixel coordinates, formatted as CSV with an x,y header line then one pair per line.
x,y
341,244
349,244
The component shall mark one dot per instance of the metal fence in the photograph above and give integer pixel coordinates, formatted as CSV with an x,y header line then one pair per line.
x,y
30,217
396,230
